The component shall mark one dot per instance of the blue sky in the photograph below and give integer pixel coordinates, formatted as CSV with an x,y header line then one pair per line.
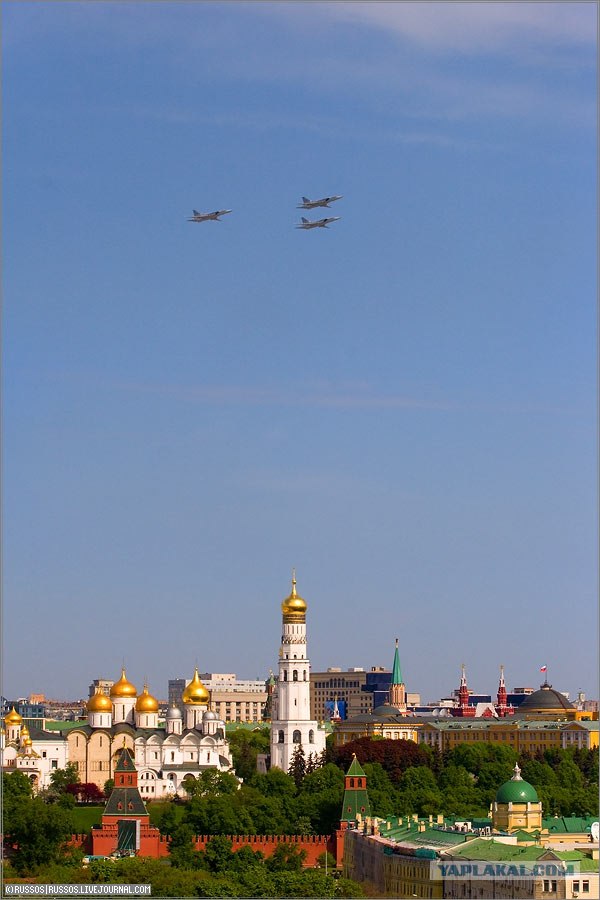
x,y
403,406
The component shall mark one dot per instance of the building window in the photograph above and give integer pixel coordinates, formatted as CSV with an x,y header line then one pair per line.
x,y
280,737
585,887
311,736
295,675
297,737
54,764
285,676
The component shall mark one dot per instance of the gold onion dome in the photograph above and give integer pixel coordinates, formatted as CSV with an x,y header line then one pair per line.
x,y
294,607
146,702
99,702
195,693
122,687
13,718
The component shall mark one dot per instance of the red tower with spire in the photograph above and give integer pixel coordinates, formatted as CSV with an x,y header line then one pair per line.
x,y
502,707
463,710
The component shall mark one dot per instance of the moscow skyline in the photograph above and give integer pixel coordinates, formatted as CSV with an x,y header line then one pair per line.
x,y
401,407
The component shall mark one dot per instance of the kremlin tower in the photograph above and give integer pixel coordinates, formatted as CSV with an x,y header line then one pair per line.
x,y
291,725
463,710
397,686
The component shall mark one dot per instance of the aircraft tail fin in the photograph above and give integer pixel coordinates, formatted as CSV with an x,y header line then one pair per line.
x,y
305,200
196,213
305,220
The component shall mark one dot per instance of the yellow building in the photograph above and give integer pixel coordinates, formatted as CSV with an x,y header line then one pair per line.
x,y
530,735
517,806
385,721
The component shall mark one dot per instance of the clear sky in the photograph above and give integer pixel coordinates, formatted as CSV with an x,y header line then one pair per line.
x,y
402,406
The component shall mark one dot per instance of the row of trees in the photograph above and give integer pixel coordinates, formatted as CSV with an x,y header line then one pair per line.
x,y
404,777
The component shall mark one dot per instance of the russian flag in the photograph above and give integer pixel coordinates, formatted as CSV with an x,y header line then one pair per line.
x,y
544,669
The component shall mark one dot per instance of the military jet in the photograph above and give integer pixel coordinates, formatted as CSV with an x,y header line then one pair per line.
x,y
319,223
206,217
311,204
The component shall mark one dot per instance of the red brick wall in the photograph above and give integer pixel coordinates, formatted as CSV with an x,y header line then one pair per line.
x,y
152,843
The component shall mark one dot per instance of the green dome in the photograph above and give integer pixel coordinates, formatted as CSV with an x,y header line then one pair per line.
x,y
517,791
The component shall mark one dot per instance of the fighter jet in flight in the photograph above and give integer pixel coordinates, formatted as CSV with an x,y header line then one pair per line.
x,y
319,223
206,217
311,204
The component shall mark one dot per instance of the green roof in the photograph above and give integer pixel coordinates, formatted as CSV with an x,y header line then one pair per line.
x,y
125,802
517,791
396,670
355,768
569,824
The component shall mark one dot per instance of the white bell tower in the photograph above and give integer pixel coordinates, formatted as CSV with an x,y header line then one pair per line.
x,y
291,724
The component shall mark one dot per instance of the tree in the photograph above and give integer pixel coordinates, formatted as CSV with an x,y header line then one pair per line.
x,y
86,792
245,747
109,785
40,831
181,848
16,788
297,768
218,853
60,779
396,756
275,783
288,857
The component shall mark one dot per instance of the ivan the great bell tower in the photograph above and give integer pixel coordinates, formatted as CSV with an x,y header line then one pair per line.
x,y
291,724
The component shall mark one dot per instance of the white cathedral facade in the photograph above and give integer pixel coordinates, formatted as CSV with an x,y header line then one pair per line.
x,y
291,724
166,756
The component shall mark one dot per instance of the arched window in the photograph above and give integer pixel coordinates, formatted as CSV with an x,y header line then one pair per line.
x,y
295,675
297,738
280,738
285,675
352,782
304,675
359,782
311,736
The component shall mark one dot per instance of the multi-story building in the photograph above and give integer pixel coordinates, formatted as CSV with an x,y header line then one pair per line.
x,y
522,735
336,686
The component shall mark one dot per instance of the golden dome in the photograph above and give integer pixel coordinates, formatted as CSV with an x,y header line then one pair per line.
x,y
13,718
146,702
195,693
294,607
99,702
27,741
123,688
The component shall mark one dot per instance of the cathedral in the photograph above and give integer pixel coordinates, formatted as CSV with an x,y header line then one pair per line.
x,y
167,755
291,725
